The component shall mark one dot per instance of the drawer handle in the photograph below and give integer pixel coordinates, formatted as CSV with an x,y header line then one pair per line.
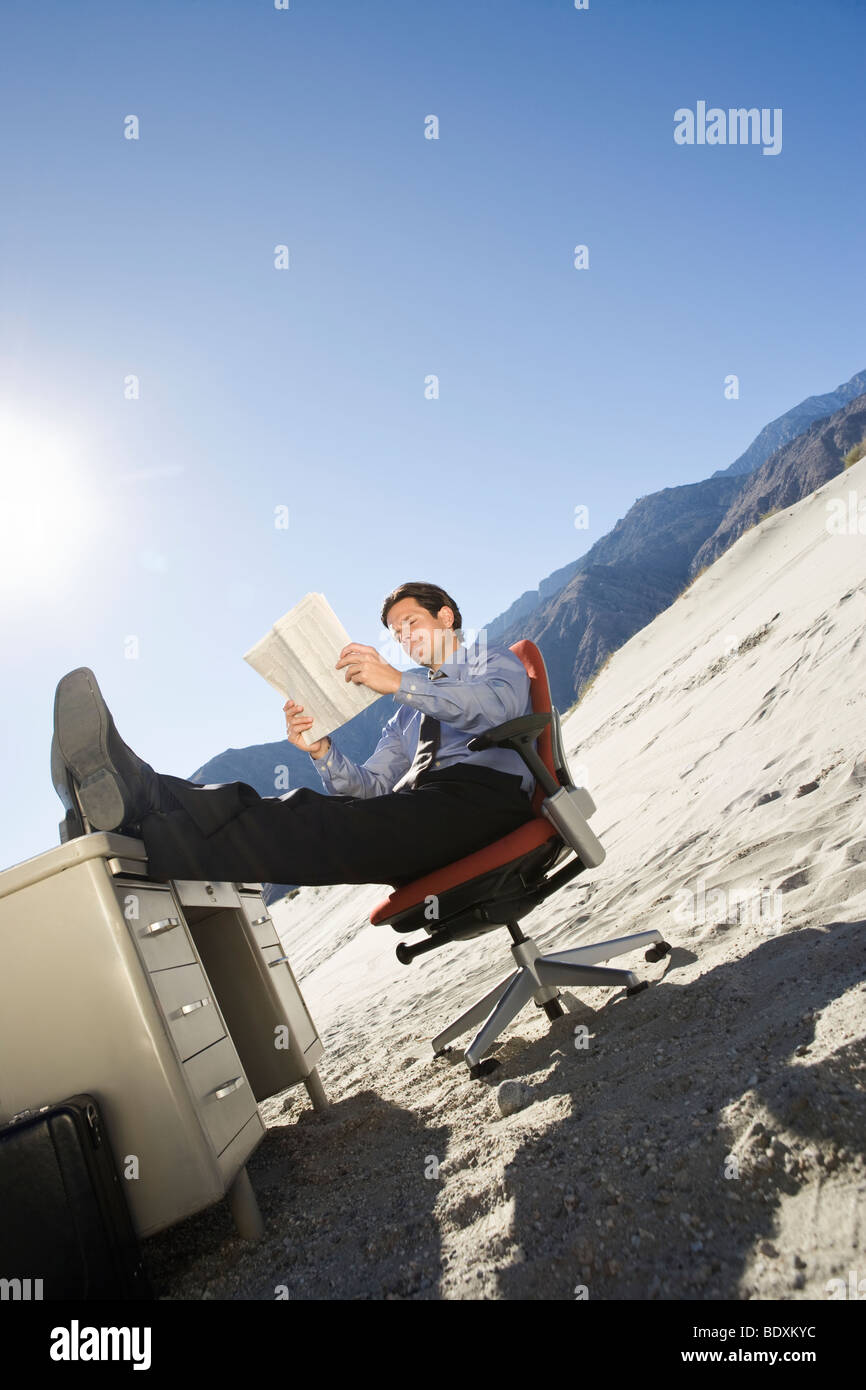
x,y
228,1086
259,921
191,1008
164,924
280,960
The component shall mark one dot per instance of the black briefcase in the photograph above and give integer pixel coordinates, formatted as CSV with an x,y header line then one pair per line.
x,y
65,1227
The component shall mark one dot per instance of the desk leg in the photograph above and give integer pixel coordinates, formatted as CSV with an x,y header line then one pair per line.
x,y
244,1207
316,1091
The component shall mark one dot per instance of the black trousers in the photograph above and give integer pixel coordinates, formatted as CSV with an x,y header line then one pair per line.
x,y
226,831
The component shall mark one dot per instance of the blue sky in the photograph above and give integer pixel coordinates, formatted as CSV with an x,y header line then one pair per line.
x,y
139,535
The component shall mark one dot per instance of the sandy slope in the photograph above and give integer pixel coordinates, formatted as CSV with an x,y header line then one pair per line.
x,y
708,1141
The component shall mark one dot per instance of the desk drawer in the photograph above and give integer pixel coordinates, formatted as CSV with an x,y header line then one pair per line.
x,y
185,997
218,1070
291,1004
202,893
158,925
260,921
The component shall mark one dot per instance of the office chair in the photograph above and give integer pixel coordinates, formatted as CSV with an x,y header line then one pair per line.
x,y
498,885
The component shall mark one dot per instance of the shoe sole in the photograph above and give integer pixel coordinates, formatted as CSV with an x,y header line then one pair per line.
x,y
72,824
81,722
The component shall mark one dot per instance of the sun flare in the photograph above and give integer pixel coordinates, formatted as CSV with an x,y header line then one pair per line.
x,y
48,506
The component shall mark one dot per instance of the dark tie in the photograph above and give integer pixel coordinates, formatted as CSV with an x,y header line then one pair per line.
x,y
429,733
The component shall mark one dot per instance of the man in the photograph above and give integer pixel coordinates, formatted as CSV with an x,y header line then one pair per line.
x,y
421,799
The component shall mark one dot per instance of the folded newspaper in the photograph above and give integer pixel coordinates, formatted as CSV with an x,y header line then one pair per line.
x,y
298,658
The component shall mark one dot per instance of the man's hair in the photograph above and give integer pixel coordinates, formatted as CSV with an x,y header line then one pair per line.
x,y
428,596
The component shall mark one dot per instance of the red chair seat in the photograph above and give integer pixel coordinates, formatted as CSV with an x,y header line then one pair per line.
x,y
494,856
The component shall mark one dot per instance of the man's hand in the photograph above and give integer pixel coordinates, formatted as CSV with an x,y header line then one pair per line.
x,y
298,724
364,666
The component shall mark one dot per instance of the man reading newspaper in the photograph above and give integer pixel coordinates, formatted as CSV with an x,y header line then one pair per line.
x,y
421,800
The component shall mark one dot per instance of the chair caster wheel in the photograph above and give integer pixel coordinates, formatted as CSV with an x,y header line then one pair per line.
x,y
553,1008
484,1068
636,989
656,952
443,1051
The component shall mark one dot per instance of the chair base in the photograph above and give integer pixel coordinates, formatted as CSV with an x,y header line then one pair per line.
x,y
537,977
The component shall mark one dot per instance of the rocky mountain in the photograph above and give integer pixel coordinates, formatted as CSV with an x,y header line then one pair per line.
x,y
596,603
623,581
793,423
789,474
530,600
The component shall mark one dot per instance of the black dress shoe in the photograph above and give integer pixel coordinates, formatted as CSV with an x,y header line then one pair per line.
x,y
72,824
115,788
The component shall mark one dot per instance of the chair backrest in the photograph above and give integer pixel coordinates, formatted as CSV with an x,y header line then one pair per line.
x,y
539,690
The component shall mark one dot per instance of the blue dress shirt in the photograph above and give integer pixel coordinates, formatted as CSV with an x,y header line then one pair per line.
x,y
478,689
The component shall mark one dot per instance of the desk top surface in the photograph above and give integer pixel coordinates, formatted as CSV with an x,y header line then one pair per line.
x,y
99,844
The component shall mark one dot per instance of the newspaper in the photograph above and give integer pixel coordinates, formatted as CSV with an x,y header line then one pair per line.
x,y
298,658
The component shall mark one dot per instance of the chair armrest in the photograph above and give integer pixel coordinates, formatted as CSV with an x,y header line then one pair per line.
x,y
566,811
520,735
527,724
566,807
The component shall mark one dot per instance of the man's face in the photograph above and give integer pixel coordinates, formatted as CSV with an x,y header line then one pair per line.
x,y
425,638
